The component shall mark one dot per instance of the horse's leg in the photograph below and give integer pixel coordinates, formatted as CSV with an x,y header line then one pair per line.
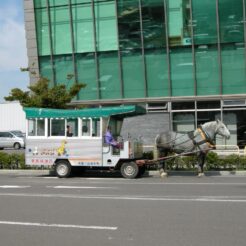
x,y
201,160
162,169
162,164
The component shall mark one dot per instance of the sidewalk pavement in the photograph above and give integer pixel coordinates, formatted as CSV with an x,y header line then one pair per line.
x,y
25,172
147,173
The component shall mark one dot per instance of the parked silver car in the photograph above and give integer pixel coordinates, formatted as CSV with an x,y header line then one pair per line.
x,y
9,139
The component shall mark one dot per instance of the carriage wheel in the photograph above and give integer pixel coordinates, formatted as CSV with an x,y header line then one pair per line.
x,y
63,169
129,170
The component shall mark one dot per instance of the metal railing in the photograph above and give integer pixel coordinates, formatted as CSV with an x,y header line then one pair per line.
x,y
227,150
220,149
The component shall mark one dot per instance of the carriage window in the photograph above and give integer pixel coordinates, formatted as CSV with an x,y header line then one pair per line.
x,y
31,127
36,127
116,126
72,127
40,127
57,127
86,127
95,127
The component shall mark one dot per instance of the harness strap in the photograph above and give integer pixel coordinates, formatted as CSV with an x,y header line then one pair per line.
x,y
192,137
206,138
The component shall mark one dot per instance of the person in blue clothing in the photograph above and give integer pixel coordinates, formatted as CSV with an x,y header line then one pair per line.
x,y
109,139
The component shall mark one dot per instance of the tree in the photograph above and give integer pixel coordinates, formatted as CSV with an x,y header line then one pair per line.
x,y
41,95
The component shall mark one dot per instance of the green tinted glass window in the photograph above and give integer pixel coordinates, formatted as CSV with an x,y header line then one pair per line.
x,y
83,28
86,69
61,33
39,3
42,30
80,1
231,21
233,69
207,70
46,68
182,72
133,75
179,22
109,75
153,24
129,24
64,71
204,21
58,2
205,32
154,37
106,31
157,73
181,62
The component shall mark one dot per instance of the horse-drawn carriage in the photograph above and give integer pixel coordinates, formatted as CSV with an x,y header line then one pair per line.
x,y
49,144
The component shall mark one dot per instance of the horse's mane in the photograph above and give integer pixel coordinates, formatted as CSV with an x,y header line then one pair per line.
x,y
208,124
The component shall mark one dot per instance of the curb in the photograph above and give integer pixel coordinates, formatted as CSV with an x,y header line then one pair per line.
x,y
25,172
194,173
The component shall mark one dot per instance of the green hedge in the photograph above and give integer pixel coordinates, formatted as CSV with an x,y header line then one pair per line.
x,y
12,161
213,162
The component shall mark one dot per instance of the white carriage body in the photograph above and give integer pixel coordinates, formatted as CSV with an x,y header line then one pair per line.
x,y
47,142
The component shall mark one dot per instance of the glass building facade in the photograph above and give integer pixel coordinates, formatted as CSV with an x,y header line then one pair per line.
x,y
187,54
143,48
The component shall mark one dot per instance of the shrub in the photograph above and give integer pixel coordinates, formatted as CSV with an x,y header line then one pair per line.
x,y
12,161
242,163
17,161
231,162
148,155
212,161
4,160
182,163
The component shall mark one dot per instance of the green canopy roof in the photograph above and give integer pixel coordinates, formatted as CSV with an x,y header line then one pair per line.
x,y
121,111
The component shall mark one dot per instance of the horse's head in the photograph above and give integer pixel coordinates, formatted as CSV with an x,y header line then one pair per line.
x,y
222,130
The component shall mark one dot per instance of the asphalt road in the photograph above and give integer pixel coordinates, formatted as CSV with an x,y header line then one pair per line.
x,y
177,211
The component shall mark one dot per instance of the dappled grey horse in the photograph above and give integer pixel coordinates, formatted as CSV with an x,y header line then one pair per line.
x,y
198,142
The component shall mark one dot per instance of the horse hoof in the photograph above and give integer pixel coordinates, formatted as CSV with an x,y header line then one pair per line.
x,y
200,175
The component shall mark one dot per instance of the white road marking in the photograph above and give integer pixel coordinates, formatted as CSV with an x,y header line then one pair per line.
x,y
79,187
14,186
98,178
58,225
131,182
166,183
48,177
231,199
